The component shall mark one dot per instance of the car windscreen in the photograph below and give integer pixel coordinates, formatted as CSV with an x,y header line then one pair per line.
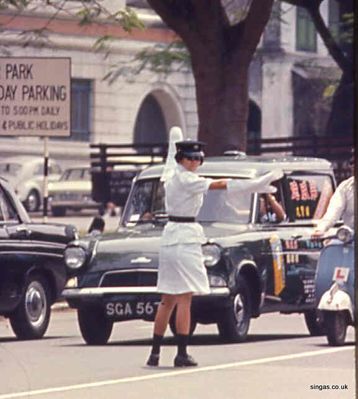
x,y
146,204
9,168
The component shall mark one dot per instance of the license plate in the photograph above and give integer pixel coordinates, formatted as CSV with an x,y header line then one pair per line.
x,y
341,274
129,309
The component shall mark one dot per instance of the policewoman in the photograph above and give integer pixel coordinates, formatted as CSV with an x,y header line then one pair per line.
x,y
181,267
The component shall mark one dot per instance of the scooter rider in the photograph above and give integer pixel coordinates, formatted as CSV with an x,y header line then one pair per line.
x,y
341,206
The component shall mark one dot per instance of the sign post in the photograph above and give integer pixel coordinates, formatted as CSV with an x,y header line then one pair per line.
x,y
45,182
35,96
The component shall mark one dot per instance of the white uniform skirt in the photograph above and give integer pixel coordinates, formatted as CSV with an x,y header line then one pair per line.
x,y
182,270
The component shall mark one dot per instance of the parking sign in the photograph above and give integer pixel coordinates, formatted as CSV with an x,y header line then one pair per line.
x,y
35,96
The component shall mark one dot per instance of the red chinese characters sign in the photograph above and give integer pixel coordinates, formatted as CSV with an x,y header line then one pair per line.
x,y
303,194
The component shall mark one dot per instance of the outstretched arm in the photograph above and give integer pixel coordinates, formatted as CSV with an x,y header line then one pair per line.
x,y
259,184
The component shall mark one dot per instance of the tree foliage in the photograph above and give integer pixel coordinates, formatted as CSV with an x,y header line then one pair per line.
x,y
85,12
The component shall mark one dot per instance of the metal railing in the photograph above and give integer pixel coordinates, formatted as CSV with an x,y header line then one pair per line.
x,y
113,166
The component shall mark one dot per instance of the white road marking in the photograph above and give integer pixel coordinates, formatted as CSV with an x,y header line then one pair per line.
x,y
145,327
175,373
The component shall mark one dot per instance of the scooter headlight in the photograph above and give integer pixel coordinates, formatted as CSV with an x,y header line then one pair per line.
x,y
345,234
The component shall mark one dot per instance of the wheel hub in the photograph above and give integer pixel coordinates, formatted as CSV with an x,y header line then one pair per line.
x,y
35,305
238,309
32,201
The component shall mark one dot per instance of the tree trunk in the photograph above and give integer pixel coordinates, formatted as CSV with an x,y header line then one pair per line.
x,y
222,101
340,122
221,56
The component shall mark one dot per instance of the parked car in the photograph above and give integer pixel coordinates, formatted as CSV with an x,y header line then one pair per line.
x,y
32,270
254,265
72,192
26,174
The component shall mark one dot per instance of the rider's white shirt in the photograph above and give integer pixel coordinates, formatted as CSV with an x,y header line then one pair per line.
x,y
341,206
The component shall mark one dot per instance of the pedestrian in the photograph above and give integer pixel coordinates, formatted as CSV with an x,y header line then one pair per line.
x,y
97,226
341,206
181,268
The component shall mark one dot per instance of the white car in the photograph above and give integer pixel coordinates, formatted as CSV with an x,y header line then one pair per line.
x,y
73,191
26,175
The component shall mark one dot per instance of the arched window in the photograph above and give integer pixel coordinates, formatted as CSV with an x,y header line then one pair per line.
x,y
150,126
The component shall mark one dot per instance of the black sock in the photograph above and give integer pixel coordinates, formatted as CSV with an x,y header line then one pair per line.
x,y
157,340
182,341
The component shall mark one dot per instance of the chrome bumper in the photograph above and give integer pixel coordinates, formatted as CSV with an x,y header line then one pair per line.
x,y
72,293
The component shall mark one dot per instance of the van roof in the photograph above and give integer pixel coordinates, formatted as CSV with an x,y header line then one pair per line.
x,y
249,166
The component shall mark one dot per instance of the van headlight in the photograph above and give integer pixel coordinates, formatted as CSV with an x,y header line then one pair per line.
x,y
211,254
217,281
75,257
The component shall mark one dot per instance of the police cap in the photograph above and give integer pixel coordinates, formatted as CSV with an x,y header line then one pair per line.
x,y
190,148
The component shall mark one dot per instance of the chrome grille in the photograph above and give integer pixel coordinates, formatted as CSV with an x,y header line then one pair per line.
x,y
130,278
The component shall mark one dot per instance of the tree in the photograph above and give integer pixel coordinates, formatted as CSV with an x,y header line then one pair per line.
x,y
220,67
221,52
340,48
220,55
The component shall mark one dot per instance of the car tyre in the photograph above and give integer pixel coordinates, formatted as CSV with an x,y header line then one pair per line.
x,y
314,322
336,327
32,202
31,318
173,328
94,326
234,322
58,211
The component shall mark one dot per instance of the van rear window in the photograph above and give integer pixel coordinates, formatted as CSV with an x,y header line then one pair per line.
x,y
307,196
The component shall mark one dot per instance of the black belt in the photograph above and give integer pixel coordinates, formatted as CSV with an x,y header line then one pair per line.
x,y
181,219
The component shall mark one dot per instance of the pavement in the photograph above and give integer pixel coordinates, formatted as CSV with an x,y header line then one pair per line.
x,y
60,306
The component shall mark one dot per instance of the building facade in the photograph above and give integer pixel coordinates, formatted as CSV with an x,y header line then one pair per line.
x,y
110,104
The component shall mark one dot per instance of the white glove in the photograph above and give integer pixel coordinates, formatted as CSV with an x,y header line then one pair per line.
x,y
170,163
260,184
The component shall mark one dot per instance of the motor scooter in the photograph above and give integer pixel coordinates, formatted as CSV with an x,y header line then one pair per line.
x,y
335,285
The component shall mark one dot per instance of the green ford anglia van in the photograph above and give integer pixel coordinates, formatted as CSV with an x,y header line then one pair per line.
x,y
257,260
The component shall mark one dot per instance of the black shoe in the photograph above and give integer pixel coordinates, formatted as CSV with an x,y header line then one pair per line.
x,y
153,360
184,361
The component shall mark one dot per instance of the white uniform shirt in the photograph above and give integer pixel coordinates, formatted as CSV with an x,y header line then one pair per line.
x,y
341,206
184,193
